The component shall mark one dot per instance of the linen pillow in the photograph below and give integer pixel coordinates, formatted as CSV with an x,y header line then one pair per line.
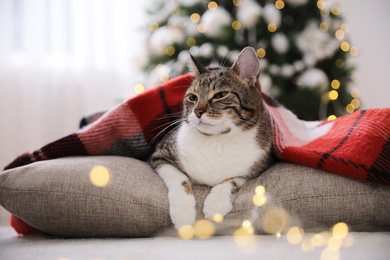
x,y
59,198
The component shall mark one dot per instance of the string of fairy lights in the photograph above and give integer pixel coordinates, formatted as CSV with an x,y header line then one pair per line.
x,y
332,95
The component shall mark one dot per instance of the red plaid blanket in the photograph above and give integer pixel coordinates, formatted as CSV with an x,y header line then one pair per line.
x,y
356,145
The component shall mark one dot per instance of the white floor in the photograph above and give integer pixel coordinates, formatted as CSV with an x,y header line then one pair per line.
x,y
365,246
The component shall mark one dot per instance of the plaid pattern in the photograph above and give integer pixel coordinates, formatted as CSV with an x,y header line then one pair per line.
x,y
356,145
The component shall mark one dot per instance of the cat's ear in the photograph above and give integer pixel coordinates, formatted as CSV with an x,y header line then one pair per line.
x,y
199,68
247,65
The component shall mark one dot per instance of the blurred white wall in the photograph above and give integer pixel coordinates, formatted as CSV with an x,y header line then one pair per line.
x,y
370,31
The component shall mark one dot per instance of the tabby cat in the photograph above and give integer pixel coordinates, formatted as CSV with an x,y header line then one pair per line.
x,y
223,140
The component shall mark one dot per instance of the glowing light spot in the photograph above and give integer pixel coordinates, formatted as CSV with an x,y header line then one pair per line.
x,y
354,51
340,63
218,218
139,88
340,34
355,103
236,25
202,28
212,5
244,238
204,229
186,232
329,254
355,93
335,84
276,220
195,17
345,46
333,95
340,230
191,41
169,50
324,12
279,4
99,176
317,240
332,117
153,27
260,190
350,109
324,27
295,235
237,2
336,9
246,224
259,200
261,52
321,4
272,27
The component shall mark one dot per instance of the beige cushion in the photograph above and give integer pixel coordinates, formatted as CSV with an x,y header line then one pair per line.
x,y
58,197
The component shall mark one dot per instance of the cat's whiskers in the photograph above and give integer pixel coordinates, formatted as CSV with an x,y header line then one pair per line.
x,y
166,126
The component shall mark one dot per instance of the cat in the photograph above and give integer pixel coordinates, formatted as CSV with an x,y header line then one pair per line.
x,y
223,140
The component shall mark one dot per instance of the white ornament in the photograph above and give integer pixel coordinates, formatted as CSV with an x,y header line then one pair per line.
x,y
163,37
280,43
287,71
223,51
215,21
206,50
248,13
272,14
312,41
189,3
266,83
296,2
313,78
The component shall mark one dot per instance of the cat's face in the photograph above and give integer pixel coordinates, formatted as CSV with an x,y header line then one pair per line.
x,y
223,101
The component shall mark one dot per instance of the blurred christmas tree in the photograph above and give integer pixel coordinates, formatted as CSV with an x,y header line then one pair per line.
x,y
302,45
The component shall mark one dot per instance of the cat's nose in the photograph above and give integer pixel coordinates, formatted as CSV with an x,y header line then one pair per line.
x,y
198,112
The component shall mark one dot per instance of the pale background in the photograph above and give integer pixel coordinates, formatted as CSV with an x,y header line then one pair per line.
x,y
38,107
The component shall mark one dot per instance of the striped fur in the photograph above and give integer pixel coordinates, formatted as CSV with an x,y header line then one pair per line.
x,y
223,140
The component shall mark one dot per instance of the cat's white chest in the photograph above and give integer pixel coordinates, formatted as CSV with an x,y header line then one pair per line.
x,y
212,159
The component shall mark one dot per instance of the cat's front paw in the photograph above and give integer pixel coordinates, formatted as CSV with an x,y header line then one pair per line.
x,y
182,211
217,202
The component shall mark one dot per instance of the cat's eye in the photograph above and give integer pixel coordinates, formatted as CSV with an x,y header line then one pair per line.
x,y
192,98
220,95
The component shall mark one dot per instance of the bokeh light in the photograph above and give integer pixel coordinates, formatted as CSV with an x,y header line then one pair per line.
x,y
272,27
236,25
139,88
275,221
335,84
261,52
99,176
195,17
218,218
340,230
295,235
244,238
279,4
332,117
333,94
186,232
204,229
212,6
